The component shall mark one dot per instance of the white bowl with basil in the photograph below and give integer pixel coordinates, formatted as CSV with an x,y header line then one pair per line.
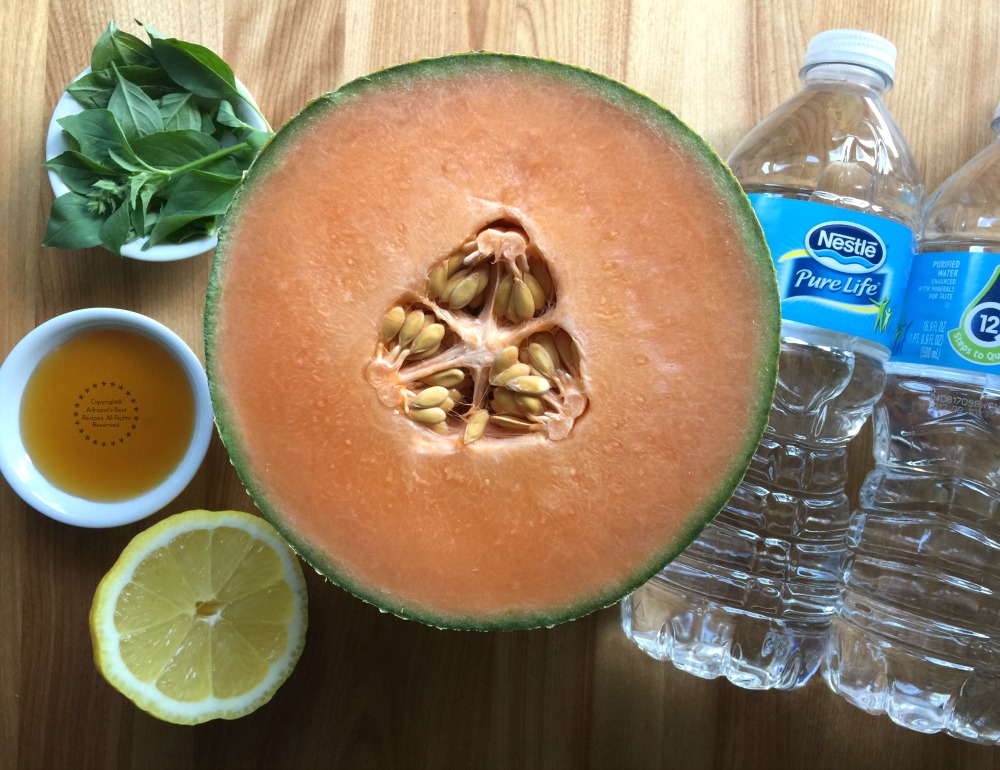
x,y
146,148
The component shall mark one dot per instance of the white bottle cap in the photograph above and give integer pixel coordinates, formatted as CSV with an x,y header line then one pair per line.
x,y
852,46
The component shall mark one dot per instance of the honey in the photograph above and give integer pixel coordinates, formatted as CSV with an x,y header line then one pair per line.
x,y
107,415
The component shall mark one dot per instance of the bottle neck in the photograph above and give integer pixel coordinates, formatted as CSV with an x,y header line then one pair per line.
x,y
841,74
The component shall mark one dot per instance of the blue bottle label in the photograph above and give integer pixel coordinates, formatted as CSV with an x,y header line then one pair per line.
x,y
837,269
952,312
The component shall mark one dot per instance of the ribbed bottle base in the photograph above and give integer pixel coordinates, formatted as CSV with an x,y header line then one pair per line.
x,y
708,640
923,693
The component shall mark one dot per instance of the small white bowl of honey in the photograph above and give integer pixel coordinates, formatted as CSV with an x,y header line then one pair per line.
x,y
105,417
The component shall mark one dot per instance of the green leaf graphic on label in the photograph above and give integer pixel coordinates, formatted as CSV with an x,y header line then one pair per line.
x,y
978,337
883,314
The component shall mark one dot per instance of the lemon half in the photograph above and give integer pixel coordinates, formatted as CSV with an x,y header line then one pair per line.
x,y
202,617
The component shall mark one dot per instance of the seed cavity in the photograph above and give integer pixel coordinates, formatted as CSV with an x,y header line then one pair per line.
x,y
478,351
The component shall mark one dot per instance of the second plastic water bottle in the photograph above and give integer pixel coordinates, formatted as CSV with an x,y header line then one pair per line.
x,y
838,196
918,635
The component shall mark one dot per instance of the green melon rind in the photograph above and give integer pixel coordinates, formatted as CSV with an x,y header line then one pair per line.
x,y
619,95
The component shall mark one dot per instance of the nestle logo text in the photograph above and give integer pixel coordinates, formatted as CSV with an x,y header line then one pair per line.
x,y
846,244
846,247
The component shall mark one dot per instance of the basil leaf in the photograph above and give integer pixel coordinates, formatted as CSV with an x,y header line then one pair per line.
x,y
153,80
167,227
194,195
173,149
117,229
180,112
77,171
126,164
196,228
208,125
135,112
227,137
72,225
98,134
152,31
227,166
195,68
92,91
200,192
227,116
143,186
253,136
137,220
117,47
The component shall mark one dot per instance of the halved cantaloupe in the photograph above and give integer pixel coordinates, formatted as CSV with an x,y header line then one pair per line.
x,y
490,339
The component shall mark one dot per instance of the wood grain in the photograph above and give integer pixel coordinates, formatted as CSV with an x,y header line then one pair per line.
x,y
372,690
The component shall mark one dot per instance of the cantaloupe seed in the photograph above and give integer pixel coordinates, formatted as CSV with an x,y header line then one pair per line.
x,y
392,323
479,321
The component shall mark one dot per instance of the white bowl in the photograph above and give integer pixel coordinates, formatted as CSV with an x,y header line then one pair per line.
x,y
55,144
17,467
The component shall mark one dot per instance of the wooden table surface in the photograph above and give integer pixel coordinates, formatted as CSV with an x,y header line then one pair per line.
x,y
372,690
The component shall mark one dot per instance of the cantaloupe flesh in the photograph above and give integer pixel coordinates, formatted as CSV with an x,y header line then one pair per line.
x,y
674,313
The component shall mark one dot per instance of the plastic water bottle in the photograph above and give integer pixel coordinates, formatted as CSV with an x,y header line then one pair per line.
x,y
838,196
918,635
